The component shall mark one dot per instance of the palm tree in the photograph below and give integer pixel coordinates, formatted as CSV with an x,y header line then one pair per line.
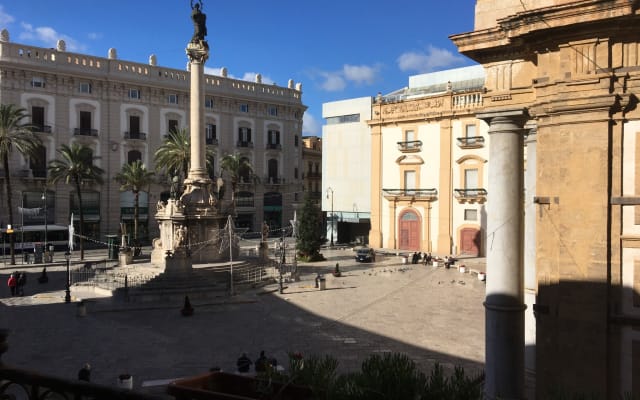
x,y
14,134
237,167
134,177
174,154
74,166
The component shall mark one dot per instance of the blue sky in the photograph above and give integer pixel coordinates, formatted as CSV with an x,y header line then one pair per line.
x,y
336,49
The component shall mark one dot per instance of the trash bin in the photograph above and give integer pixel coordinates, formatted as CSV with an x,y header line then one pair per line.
x,y
323,283
404,259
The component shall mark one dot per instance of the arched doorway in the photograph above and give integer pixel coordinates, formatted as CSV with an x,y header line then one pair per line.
x,y
470,242
409,231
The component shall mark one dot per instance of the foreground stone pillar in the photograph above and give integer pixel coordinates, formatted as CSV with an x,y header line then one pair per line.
x,y
504,301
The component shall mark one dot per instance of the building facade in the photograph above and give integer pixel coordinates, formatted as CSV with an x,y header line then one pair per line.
x,y
429,165
122,111
567,74
312,168
346,181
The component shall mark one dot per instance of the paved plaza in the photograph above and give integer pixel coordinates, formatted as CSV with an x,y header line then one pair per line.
x,y
431,314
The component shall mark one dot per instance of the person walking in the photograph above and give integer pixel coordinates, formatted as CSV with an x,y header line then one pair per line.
x,y
21,282
85,373
243,363
12,282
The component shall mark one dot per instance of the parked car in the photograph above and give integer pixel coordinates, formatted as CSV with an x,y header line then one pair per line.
x,y
366,255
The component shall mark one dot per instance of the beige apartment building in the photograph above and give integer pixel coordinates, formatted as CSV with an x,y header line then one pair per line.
x,y
122,110
567,73
312,170
429,157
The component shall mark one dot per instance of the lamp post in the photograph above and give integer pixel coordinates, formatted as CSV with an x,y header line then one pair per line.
x,y
44,198
329,189
67,296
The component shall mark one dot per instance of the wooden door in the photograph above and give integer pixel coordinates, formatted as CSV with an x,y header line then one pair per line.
x,y
409,230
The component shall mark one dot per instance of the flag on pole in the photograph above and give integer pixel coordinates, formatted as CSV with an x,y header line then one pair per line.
x,y
71,232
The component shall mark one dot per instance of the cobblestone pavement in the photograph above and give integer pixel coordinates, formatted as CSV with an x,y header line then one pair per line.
x,y
431,314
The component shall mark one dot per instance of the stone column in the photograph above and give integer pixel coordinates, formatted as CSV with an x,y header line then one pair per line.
x,y
198,54
530,278
504,301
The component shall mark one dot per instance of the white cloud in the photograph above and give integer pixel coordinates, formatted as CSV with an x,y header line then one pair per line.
x,y
361,73
431,59
49,37
333,81
310,125
5,19
95,35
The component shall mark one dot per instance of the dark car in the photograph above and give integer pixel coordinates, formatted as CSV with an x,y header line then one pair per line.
x,y
365,255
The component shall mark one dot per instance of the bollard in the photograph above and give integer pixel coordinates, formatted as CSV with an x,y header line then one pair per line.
x,y
82,309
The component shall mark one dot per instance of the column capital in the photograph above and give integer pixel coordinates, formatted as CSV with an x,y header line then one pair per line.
x,y
518,116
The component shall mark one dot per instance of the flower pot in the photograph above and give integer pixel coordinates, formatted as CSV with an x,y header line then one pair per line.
x,y
482,276
125,381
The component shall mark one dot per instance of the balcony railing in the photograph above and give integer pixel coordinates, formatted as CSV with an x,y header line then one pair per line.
x,y
470,195
211,141
273,180
314,175
473,142
419,194
85,132
411,146
135,135
41,128
244,144
245,202
274,146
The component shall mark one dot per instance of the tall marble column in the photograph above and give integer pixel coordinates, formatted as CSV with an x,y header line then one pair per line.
x,y
504,301
530,278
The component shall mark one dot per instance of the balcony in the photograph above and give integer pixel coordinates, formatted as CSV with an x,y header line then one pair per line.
x,y
211,141
412,146
314,175
135,135
470,196
274,146
244,144
411,194
273,180
85,132
41,128
473,142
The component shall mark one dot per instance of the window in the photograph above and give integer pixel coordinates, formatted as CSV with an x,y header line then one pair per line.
x,y
272,167
134,126
471,178
409,136
172,99
208,102
244,108
273,111
173,125
244,173
85,87
273,139
470,214
87,157
295,172
134,94
85,121
37,118
38,162
295,140
470,131
409,182
343,119
37,82
210,134
133,156
244,137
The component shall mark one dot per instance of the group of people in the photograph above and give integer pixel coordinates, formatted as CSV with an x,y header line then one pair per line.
x,y
428,259
16,283
261,363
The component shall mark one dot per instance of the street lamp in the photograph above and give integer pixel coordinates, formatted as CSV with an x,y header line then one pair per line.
x,y
67,296
329,189
44,198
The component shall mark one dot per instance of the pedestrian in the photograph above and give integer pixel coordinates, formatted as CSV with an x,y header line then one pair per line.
x,y
243,363
85,373
12,283
22,281
43,278
261,362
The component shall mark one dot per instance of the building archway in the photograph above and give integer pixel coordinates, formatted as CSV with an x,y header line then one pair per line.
x,y
409,230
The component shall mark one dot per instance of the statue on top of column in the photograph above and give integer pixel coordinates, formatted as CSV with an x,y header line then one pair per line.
x,y
199,22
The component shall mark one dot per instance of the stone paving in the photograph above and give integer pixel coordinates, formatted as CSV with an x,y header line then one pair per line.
x,y
431,314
